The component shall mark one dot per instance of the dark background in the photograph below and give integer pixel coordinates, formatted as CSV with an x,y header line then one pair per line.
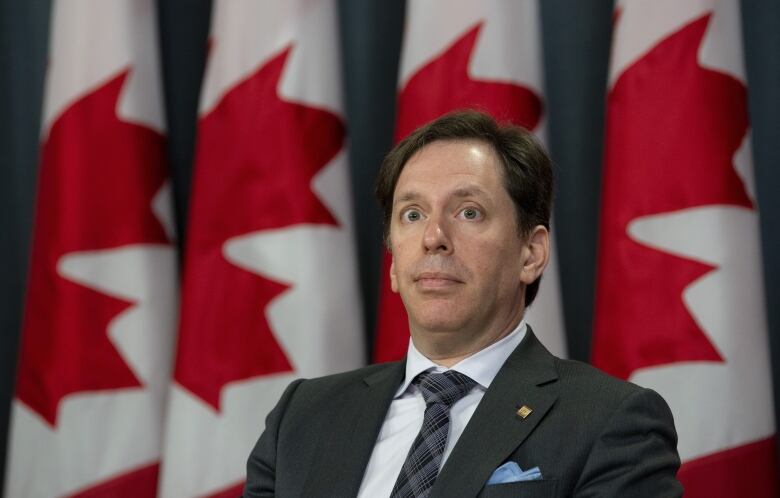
x,y
576,43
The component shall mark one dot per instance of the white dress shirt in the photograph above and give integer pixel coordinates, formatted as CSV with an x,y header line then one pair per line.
x,y
405,416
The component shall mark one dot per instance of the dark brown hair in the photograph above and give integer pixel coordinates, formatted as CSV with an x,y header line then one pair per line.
x,y
528,175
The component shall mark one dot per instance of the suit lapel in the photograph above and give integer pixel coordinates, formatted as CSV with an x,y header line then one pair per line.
x,y
495,430
349,433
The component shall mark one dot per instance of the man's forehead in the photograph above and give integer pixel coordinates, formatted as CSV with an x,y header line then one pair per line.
x,y
461,168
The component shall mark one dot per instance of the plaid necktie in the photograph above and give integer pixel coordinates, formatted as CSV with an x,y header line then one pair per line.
x,y
440,391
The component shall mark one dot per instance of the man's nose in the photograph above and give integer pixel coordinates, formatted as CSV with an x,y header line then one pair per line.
x,y
436,237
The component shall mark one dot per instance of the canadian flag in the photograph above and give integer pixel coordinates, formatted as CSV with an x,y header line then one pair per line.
x,y
96,347
680,304
465,54
270,285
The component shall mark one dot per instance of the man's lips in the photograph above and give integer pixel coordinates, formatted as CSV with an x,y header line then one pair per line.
x,y
437,279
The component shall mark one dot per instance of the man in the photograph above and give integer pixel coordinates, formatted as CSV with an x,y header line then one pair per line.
x,y
478,407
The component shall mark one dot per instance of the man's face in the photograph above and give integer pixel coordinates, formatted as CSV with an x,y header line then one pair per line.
x,y
458,260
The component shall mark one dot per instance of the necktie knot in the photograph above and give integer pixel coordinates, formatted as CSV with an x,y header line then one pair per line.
x,y
443,388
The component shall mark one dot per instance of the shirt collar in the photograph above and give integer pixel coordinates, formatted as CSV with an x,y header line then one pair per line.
x,y
482,366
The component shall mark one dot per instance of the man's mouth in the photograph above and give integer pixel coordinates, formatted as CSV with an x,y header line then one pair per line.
x,y
436,280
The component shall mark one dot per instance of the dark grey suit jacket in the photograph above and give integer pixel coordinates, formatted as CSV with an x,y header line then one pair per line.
x,y
590,434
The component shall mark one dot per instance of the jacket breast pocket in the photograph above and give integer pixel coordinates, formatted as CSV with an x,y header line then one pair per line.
x,y
545,488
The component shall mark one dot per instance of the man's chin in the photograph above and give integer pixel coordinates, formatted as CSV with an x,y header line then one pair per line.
x,y
447,322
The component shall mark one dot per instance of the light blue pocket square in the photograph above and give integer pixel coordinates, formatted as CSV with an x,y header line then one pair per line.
x,y
511,472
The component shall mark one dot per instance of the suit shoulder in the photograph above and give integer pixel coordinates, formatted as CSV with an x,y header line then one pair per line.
x,y
352,375
602,401
597,384
338,381
308,399
578,371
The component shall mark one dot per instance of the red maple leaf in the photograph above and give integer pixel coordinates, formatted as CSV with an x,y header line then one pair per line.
x,y
441,86
97,179
672,130
256,157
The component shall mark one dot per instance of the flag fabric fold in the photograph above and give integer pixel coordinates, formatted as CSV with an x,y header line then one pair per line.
x,y
96,343
270,286
680,304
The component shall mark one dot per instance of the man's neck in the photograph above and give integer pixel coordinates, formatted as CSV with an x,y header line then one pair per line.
x,y
447,352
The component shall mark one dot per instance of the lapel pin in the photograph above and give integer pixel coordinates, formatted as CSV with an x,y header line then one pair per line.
x,y
524,411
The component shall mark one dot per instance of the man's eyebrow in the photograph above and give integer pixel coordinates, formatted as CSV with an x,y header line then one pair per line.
x,y
406,197
470,191
461,192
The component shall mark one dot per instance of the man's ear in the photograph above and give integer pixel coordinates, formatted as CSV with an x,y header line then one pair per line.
x,y
536,254
393,276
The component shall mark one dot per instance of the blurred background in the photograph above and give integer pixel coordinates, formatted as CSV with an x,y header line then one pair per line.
x,y
188,220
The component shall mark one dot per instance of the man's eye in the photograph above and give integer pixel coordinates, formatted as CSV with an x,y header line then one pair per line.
x,y
411,215
471,213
